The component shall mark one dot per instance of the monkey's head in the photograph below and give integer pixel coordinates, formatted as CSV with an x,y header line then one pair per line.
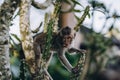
x,y
67,36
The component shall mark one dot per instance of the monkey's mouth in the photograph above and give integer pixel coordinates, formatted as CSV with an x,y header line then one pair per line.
x,y
65,45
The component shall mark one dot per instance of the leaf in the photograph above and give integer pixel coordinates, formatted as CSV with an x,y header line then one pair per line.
x,y
16,37
76,10
88,15
82,18
111,28
77,17
76,2
37,29
16,15
15,45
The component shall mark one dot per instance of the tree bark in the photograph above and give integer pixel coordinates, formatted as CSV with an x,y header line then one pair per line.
x,y
26,37
6,11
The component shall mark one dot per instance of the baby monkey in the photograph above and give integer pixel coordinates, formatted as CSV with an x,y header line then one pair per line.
x,y
61,43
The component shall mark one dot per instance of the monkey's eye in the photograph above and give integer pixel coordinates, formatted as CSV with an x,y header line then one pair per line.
x,y
68,37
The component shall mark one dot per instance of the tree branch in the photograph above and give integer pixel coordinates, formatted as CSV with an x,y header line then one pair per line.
x,y
67,6
7,10
26,38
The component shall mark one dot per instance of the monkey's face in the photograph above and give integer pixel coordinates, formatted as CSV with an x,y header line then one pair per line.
x,y
66,36
67,39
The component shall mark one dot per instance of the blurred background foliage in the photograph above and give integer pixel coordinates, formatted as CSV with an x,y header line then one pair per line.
x,y
96,43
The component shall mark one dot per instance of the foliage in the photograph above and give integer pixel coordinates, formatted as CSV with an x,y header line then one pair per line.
x,y
97,43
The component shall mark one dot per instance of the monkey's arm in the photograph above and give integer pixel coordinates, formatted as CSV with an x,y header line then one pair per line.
x,y
76,69
72,50
37,51
49,59
64,60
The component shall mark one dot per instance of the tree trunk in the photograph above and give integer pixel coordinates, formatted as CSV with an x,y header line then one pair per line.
x,y
6,11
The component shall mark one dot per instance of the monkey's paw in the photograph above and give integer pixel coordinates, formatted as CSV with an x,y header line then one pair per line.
x,y
75,70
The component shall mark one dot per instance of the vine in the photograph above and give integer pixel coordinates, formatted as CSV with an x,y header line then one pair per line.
x,y
80,21
80,66
82,59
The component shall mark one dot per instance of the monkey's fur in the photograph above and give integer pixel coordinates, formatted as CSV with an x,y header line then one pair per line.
x,y
61,42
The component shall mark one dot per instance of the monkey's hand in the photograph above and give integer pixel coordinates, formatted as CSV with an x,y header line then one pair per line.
x,y
76,71
71,50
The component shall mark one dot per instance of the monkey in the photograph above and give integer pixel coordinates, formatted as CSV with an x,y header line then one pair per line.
x,y
61,43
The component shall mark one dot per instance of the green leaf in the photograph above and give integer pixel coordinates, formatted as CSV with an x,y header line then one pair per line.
x,y
111,27
76,2
77,17
75,10
16,37
88,15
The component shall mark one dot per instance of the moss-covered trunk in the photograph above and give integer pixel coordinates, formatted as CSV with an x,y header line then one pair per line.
x,y
26,37
6,11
